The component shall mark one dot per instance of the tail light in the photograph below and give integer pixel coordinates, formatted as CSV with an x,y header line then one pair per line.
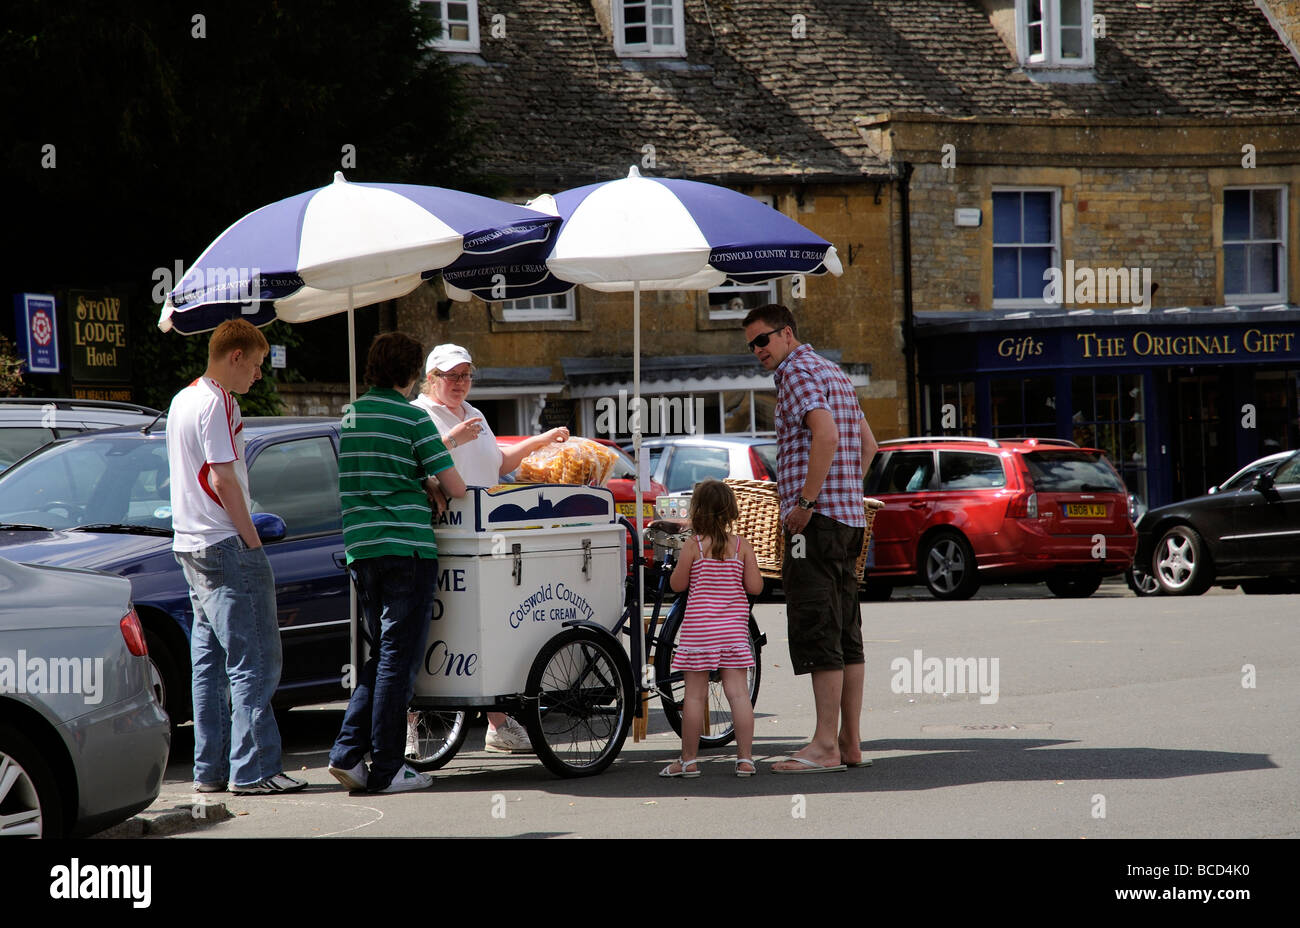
x,y
134,634
758,467
1023,506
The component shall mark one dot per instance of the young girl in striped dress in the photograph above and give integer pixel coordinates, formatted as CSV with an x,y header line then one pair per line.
x,y
720,568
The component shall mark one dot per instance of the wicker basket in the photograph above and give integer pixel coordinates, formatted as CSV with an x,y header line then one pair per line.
x,y
760,522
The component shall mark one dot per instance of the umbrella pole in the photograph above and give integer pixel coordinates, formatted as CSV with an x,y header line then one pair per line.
x,y
354,653
645,670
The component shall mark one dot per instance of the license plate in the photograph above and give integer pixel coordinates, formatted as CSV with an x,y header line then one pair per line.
x,y
629,510
1086,510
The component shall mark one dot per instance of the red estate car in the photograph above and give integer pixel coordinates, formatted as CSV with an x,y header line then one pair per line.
x,y
959,511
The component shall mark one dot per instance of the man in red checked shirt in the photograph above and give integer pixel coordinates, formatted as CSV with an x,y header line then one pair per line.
x,y
235,636
823,448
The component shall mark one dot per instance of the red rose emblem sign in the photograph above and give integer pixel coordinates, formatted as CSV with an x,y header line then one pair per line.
x,y
42,330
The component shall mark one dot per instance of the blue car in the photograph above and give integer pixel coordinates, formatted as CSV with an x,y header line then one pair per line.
x,y
102,500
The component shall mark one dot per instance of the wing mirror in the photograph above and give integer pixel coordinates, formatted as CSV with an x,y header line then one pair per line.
x,y
1264,483
270,527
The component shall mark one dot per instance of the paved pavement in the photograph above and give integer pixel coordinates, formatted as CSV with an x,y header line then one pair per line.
x,y
1114,717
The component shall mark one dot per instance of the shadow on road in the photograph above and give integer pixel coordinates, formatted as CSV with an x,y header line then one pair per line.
x,y
900,764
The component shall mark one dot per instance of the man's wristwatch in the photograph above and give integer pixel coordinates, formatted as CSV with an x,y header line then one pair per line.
x,y
807,504
451,442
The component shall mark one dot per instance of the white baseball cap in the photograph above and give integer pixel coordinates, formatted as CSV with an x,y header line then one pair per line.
x,y
445,357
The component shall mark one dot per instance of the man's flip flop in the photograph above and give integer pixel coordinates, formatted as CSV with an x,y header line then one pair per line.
x,y
808,766
862,763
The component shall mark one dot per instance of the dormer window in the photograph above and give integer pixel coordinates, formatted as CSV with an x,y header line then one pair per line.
x,y
649,29
459,21
1054,33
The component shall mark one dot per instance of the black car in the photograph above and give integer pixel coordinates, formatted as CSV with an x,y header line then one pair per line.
x,y
1246,533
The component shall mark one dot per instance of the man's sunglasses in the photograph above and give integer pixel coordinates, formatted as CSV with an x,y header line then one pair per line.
x,y
760,341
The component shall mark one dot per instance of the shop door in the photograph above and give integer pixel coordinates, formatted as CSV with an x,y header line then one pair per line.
x,y
1204,453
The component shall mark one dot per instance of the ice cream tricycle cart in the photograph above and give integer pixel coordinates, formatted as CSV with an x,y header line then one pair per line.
x,y
536,616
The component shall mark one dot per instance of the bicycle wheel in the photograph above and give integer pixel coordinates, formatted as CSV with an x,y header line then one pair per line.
x,y
438,736
720,729
578,702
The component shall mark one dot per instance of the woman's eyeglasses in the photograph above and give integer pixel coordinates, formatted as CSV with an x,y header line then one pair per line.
x,y
456,378
760,341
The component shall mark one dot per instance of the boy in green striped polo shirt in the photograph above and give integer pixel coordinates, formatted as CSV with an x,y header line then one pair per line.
x,y
389,454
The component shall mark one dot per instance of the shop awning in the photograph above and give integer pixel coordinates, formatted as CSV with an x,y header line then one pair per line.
x,y
684,373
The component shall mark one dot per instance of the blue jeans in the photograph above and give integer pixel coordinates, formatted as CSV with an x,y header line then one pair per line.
x,y
236,655
396,596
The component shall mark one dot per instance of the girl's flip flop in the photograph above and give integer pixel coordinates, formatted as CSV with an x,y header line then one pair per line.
x,y
745,773
682,771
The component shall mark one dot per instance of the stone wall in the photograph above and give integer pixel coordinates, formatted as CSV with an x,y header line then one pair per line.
x,y
858,313
313,399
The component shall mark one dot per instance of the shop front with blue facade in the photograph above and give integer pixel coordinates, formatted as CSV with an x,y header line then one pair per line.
x,y
1179,399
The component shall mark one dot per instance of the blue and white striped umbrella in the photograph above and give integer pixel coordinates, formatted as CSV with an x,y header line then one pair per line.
x,y
651,233
341,246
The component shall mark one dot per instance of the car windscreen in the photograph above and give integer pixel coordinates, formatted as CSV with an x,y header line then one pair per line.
x,y
1247,476
90,482
1072,472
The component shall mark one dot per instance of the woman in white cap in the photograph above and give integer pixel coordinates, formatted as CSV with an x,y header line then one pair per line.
x,y
449,374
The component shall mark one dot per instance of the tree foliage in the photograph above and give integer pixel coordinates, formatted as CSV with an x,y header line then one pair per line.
x,y
166,128
11,369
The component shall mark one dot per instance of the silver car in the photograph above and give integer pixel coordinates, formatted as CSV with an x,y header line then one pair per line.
x,y
26,424
680,462
83,738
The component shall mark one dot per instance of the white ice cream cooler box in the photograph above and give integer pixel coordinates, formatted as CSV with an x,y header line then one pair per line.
x,y
515,564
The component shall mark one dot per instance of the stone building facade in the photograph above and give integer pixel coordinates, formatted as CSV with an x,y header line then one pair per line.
x,y
1137,135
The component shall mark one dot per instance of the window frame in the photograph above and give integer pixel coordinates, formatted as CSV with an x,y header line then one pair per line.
x,y
1050,56
1279,243
445,44
649,48
567,313
1023,302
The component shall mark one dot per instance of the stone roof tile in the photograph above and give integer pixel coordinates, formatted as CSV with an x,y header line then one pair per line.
x,y
555,103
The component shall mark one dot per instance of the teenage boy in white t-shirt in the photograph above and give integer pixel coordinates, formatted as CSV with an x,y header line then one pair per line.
x,y
235,637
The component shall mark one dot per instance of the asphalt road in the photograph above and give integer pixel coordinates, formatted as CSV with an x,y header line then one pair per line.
x,y
1114,717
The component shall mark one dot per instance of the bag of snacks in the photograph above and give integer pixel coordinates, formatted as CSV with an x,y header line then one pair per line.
x,y
578,460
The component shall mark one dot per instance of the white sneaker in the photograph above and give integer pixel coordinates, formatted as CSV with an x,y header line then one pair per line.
x,y
509,738
352,779
412,734
407,780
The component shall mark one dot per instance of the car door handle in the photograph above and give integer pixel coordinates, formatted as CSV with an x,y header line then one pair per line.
x,y
918,504
340,560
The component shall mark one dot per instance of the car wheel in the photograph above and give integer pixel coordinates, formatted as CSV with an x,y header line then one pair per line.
x,y
948,566
173,690
1141,582
1074,585
1181,564
30,801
